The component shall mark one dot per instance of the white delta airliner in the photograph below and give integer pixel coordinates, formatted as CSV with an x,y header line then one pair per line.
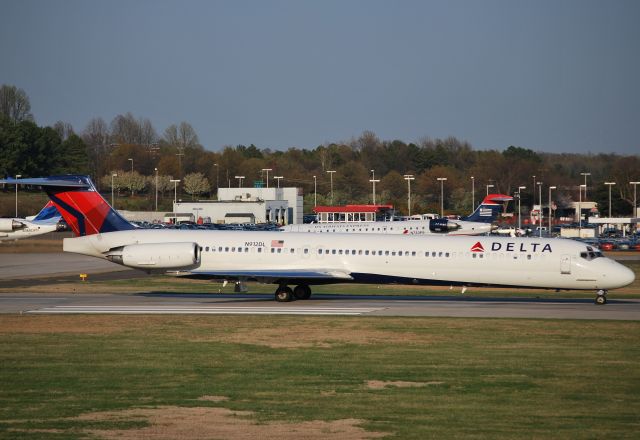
x,y
305,259
17,228
478,223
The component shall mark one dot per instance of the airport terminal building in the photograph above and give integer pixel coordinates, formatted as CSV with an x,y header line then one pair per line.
x,y
244,205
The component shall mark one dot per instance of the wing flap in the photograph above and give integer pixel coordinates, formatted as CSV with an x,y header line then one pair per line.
x,y
312,274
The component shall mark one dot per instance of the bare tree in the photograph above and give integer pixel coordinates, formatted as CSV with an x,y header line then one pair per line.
x,y
126,129
181,136
64,129
14,104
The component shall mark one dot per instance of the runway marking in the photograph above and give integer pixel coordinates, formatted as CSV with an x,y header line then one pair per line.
x,y
205,310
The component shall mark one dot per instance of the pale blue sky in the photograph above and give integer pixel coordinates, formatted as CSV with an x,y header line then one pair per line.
x,y
557,75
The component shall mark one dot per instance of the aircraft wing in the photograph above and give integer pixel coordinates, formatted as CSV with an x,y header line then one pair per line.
x,y
310,274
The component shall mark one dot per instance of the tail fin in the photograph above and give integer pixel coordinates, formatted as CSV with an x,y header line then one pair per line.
x,y
48,214
80,204
489,209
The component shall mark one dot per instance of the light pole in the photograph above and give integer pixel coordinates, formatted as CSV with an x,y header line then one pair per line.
x,y
540,211
331,174
267,170
17,177
409,178
175,199
442,179
520,188
315,191
580,212
131,178
585,184
635,211
278,178
373,180
156,170
217,176
239,181
489,186
473,193
550,217
112,202
609,184
533,190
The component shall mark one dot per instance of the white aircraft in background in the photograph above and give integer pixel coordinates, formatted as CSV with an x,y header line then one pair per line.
x,y
17,228
304,259
478,223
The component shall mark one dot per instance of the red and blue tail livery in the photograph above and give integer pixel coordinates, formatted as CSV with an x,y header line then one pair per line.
x,y
79,203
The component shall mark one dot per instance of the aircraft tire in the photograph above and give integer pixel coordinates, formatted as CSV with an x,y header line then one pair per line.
x,y
601,300
303,291
284,294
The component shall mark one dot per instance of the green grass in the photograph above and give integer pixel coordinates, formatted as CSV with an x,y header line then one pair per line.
x,y
490,378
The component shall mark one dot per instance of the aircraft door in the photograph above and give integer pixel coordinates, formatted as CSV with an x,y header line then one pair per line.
x,y
565,264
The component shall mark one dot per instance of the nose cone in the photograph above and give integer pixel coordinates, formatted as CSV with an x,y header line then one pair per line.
x,y
621,276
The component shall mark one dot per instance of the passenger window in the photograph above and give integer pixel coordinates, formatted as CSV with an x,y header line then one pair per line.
x,y
279,250
206,249
273,250
259,250
226,249
306,251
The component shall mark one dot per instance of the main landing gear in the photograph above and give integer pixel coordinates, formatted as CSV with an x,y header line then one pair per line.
x,y
601,297
285,294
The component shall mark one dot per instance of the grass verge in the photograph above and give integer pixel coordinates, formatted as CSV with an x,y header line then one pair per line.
x,y
410,378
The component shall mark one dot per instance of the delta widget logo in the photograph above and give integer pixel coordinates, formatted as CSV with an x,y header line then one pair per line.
x,y
477,247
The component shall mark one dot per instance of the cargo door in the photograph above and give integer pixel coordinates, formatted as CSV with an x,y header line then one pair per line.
x,y
565,264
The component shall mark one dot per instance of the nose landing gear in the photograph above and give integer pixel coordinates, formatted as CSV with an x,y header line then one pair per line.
x,y
601,297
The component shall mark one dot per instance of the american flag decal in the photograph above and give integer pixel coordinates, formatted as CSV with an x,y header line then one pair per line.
x,y
477,247
277,243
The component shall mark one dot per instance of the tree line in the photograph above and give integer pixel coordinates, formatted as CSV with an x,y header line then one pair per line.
x,y
130,147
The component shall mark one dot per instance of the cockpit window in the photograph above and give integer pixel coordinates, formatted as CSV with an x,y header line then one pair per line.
x,y
590,254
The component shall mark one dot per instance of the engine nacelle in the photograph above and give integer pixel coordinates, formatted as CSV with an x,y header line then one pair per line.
x,y
10,225
157,256
443,225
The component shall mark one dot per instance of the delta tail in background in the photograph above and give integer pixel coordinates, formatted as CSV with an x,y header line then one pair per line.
x,y
478,223
304,259
18,228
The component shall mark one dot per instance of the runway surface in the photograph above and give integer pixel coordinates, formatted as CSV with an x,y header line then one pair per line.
x,y
36,272
156,303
